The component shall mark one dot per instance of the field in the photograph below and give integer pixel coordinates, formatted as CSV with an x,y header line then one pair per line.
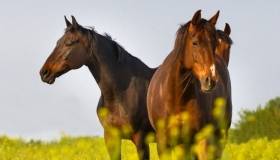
x,y
93,148
255,137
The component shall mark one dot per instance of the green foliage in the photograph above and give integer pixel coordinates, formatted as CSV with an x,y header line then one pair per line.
x,y
259,123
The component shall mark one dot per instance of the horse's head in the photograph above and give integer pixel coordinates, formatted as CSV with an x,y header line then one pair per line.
x,y
199,51
71,52
224,43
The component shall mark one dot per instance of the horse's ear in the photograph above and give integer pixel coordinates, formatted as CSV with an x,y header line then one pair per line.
x,y
196,17
68,24
214,19
227,29
75,23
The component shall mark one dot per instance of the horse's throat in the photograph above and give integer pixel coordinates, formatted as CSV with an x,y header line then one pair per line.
x,y
186,89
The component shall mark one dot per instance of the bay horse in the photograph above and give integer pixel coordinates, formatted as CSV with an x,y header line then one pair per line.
x,y
224,43
183,90
122,78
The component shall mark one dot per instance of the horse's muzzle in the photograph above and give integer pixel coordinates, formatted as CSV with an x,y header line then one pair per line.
x,y
207,84
47,76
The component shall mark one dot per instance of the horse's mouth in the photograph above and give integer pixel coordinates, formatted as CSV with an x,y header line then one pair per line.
x,y
48,79
207,89
51,81
207,85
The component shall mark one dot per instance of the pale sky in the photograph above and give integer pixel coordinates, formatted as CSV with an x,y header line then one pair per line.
x,y
29,30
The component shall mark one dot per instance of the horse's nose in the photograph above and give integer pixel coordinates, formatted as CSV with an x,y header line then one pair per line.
x,y
210,82
207,83
44,73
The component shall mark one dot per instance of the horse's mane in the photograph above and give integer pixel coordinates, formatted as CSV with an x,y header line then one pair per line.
x,y
180,39
121,51
122,54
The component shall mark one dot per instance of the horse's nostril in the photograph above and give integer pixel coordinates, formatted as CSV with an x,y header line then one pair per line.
x,y
208,83
208,80
44,73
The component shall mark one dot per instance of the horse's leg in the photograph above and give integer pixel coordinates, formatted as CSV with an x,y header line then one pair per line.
x,y
111,134
220,139
161,139
165,147
145,146
139,140
113,143
201,151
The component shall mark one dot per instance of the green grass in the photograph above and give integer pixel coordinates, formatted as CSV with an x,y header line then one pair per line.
x,y
93,148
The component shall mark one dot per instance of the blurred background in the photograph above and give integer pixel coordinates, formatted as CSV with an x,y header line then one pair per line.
x,y
29,30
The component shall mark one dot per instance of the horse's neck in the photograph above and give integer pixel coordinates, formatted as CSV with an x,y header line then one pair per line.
x,y
185,85
102,65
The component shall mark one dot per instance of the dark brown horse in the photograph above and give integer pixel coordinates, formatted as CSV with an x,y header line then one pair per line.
x,y
122,79
224,43
183,90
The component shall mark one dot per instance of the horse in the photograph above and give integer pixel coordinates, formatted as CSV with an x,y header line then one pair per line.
x,y
224,43
182,92
122,78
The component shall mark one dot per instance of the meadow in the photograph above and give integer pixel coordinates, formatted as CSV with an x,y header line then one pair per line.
x,y
93,148
255,137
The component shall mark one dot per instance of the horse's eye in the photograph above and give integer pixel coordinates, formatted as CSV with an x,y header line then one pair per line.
x,y
195,43
70,42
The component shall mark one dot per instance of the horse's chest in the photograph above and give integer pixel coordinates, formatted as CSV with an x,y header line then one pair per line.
x,y
196,116
116,117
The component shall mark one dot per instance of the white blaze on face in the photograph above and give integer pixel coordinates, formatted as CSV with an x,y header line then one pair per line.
x,y
213,70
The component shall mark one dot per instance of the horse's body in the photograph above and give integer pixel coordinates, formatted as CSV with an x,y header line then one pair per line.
x,y
122,79
168,97
123,87
176,89
123,83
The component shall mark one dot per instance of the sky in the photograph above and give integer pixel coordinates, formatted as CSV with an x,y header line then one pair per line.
x,y
29,30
